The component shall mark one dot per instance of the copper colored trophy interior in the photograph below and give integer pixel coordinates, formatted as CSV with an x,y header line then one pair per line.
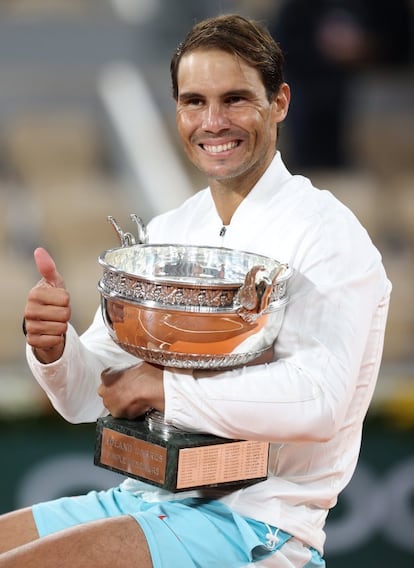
x,y
177,331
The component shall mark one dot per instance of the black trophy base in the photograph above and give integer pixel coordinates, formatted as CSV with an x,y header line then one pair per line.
x,y
177,460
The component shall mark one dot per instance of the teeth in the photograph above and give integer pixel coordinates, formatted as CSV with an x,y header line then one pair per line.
x,y
220,147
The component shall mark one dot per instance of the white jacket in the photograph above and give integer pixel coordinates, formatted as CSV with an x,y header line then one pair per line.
x,y
310,402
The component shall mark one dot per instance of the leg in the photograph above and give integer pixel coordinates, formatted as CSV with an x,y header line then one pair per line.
x,y
116,542
17,528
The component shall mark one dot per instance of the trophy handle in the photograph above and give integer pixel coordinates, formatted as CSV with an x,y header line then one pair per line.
x,y
127,239
268,285
254,294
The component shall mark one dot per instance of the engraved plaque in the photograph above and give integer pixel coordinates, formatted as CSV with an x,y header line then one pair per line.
x,y
222,463
179,461
133,456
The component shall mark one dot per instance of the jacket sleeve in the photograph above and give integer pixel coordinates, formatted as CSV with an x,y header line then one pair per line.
x,y
328,349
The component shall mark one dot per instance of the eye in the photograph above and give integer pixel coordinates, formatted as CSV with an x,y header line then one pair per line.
x,y
194,101
234,99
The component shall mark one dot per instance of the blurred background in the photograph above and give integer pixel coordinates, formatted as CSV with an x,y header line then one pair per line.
x,y
87,130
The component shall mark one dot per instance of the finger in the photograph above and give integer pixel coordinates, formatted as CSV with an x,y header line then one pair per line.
x,y
41,299
45,341
36,328
47,268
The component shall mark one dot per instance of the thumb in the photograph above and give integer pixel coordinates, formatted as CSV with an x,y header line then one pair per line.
x,y
47,268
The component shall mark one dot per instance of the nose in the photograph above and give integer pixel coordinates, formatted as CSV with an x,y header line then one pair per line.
x,y
215,117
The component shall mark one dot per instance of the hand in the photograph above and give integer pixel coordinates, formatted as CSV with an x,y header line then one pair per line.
x,y
132,391
47,311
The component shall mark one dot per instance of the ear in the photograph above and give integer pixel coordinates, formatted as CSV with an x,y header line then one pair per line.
x,y
281,103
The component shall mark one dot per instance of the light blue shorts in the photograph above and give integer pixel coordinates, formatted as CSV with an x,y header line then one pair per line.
x,y
185,533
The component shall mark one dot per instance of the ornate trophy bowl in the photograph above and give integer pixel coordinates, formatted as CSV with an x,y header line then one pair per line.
x,y
192,306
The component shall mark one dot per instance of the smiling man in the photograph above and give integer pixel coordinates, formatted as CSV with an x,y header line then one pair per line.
x,y
228,127
308,398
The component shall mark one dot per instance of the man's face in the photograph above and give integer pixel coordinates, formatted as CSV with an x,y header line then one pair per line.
x,y
227,125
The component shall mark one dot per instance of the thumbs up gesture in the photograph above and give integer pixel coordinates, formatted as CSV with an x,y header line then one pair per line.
x,y
47,310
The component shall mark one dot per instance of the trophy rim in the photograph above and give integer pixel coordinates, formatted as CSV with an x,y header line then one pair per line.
x,y
193,282
189,294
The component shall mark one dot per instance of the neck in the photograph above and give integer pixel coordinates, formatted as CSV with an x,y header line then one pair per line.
x,y
228,194
226,203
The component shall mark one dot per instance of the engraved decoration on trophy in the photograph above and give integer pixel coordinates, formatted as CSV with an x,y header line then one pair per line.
x,y
194,307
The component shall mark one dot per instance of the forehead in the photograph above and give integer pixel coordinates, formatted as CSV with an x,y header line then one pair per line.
x,y
214,69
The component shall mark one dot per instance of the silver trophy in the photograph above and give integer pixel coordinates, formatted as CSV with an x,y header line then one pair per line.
x,y
194,307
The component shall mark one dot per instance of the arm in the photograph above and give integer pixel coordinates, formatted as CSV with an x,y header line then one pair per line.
x,y
332,333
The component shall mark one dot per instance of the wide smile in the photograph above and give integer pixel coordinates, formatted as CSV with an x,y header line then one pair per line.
x,y
220,148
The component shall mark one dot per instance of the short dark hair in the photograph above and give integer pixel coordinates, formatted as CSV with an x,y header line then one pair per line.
x,y
246,38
